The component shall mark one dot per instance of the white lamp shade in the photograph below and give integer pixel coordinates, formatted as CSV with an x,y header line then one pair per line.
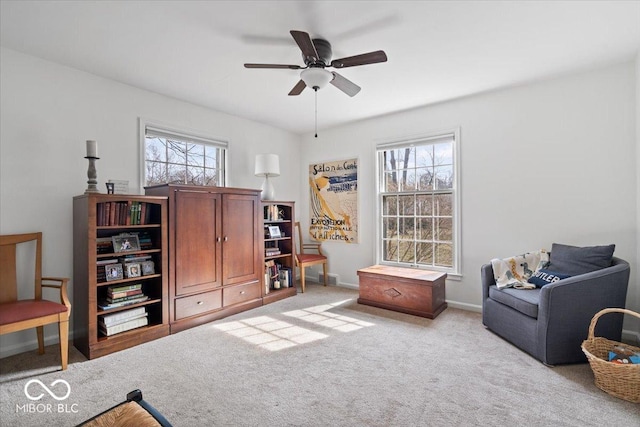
x,y
267,165
316,77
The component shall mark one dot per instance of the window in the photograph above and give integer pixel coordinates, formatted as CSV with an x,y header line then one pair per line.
x,y
418,203
177,157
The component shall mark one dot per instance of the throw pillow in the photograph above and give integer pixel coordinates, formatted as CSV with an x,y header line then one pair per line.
x,y
513,272
544,277
575,260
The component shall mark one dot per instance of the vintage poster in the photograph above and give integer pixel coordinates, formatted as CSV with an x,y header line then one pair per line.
x,y
333,208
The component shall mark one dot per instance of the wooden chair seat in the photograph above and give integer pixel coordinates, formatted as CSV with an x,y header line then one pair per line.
x,y
304,259
20,314
19,311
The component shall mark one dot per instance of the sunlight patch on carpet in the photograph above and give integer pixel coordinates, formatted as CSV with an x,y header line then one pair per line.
x,y
320,315
269,333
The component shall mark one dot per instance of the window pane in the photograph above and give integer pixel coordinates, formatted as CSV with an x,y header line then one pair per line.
x,y
210,177
176,152
389,205
390,182
156,173
389,228
443,154
444,205
195,175
176,174
425,229
390,250
444,229
444,177
407,179
210,159
406,205
424,204
444,254
407,227
424,156
424,253
195,155
406,251
425,179
155,149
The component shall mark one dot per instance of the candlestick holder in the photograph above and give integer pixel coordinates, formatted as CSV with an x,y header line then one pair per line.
x,y
92,174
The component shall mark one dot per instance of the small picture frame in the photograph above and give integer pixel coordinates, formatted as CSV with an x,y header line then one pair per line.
x,y
148,268
125,243
133,270
274,232
113,272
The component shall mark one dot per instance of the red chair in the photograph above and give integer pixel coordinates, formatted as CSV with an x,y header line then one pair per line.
x,y
304,259
19,314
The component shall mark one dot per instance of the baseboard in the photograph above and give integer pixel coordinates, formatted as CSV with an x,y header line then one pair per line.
x,y
465,306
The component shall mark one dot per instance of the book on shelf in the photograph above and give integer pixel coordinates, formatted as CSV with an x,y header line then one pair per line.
x,y
124,288
122,294
115,300
123,327
105,305
107,261
285,277
123,316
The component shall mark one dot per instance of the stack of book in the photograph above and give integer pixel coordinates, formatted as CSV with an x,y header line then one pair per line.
x,y
116,323
120,296
272,251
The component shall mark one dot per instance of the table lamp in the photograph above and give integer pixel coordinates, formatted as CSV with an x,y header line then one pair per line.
x,y
267,165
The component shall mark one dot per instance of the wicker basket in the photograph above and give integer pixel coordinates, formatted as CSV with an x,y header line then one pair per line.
x,y
618,380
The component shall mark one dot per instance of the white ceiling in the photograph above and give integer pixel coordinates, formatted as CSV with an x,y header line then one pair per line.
x,y
437,50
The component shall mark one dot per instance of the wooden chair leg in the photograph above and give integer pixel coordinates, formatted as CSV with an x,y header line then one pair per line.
x,y
63,329
324,272
40,333
302,278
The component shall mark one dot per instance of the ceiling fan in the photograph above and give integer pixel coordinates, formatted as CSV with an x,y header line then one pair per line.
x,y
316,54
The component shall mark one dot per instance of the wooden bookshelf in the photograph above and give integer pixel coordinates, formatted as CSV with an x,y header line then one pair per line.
x,y
279,250
97,218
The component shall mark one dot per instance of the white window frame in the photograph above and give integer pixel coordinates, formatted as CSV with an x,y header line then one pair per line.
x,y
180,134
455,272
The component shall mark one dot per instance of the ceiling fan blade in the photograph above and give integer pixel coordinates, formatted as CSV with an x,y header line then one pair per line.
x,y
345,85
290,67
364,59
298,88
306,45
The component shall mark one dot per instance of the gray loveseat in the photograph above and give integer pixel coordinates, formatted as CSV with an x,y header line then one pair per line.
x,y
551,322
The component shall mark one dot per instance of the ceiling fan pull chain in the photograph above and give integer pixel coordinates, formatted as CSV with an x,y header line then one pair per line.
x,y
315,89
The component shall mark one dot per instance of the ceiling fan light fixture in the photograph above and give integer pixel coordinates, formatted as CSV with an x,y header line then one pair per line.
x,y
316,78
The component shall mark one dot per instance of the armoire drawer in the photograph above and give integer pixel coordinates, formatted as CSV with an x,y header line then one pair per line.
x,y
198,304
240,293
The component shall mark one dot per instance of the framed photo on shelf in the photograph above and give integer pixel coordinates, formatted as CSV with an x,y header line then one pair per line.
x,y
133,270
113,272
147,267
274,232
125,243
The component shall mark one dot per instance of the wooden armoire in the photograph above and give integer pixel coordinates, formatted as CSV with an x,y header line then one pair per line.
x,y
216,261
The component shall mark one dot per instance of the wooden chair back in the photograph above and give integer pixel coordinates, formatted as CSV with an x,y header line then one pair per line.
x,y
9,265
306,259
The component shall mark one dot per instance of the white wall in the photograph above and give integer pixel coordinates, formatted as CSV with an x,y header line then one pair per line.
x,y
47,113
552,161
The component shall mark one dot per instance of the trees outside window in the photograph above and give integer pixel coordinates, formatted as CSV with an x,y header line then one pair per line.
x,y
417,202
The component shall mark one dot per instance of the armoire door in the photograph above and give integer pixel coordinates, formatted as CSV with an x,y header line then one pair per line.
x,y
198,241
241,247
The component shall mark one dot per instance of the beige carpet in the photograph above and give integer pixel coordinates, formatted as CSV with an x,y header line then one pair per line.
x,y
318,359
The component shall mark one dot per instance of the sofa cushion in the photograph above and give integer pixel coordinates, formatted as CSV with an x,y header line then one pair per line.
x,y
523,300
573,260
544,277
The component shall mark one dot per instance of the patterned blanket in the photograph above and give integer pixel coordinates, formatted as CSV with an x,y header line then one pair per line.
x,y
513,272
